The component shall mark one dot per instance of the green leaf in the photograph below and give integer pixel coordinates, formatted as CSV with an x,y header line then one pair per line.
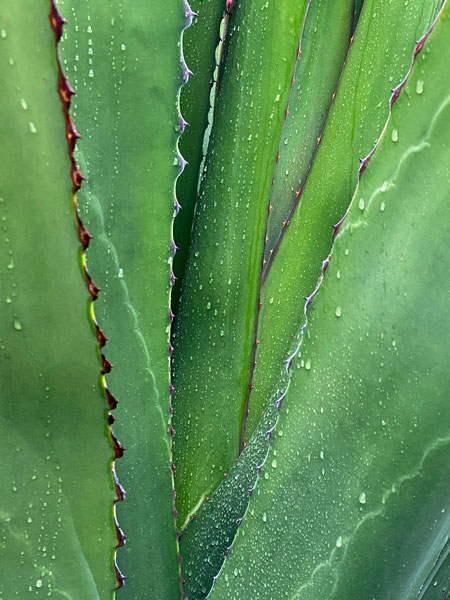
x,y
205,542
378,60
357,488
199,45
214,333
56,501
323,46
126,112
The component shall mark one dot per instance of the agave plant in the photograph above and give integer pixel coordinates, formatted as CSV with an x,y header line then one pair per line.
x,y
279,346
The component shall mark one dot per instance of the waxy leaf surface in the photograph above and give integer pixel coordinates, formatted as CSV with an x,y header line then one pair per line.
x,y
355,491
124,62
57,490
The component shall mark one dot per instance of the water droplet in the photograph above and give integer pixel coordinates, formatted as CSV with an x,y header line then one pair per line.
x,y
394,135
123,47
91,73
419,86
338,274
382,206
338,311
32,127
271,301
339,542
17,325
120,273
208,306
361,204
3,33
23,104
362,498
39,583
264,517
308,364
10,265
29,520
274,463
8,300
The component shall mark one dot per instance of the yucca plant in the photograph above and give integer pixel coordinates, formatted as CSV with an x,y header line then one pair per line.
x,y
280,345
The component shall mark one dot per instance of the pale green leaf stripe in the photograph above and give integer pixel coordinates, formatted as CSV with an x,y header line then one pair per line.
x,y
357,488
378,60
124,62
214,332
57,491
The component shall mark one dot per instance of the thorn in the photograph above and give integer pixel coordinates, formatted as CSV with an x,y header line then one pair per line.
x,y
264,261
270,207
284,224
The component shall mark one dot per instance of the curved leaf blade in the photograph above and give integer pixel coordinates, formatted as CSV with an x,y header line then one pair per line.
x,y
363,442
126,111
199,46
57,493
378,59
214,331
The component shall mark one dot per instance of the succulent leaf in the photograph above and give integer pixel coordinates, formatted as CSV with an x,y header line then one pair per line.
x,y
357,488
127,115
199,45
205,542
57,488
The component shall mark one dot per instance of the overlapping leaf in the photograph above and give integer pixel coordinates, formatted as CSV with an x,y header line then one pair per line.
x,y
355,492
205,542
215,332
199,47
